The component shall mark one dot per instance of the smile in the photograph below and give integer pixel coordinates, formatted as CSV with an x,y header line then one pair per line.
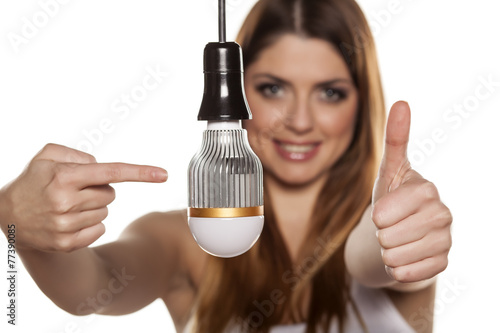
x,y
296,151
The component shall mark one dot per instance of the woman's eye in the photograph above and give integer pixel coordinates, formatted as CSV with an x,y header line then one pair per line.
x,y
270,90
333,94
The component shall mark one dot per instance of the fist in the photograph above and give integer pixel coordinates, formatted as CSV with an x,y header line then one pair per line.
x,y
413,224
60,200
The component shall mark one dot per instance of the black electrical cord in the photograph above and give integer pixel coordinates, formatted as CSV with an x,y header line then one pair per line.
x,y
222,21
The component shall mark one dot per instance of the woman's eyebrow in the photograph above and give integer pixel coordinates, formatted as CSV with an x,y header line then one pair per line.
x,y
272,77
285,82
333,82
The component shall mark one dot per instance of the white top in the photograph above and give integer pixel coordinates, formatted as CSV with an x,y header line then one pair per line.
x,y
377,310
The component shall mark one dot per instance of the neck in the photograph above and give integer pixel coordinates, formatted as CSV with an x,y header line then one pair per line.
x,y
293,208
294,200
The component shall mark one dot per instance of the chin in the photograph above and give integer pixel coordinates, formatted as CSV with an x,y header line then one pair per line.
x,y
296,178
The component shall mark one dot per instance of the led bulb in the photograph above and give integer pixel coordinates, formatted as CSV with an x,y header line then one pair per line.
x,y
226,212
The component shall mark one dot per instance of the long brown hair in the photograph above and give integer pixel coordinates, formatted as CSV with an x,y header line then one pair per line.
x,y
257,289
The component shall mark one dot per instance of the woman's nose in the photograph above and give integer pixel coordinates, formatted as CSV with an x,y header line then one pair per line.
x,y
300,118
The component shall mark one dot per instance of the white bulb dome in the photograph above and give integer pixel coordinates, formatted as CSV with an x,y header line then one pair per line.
x,y
226,237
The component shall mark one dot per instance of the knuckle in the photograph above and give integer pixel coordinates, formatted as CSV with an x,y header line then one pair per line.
x,y
444,263
62,174
63,243
377,215
48,148
428,190
105,213
442,241
448,241
101,231
439,242
440,264
86,158
446,236
446,216
111,192
383,239
60,203
91,159
61,224
404,275
442,217
389,258
42,169
79,157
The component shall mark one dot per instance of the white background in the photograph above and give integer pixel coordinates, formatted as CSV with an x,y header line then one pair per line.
x,y
65,78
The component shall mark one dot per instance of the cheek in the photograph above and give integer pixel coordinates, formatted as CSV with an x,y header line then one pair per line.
x,y
338,123
267,120
255,127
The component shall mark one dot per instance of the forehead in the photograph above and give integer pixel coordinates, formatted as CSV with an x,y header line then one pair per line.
x,y
300,58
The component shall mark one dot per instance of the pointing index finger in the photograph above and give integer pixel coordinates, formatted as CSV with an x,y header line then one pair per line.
x,y
107,173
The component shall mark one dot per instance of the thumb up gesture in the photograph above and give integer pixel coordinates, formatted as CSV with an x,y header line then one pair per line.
x,y
413,224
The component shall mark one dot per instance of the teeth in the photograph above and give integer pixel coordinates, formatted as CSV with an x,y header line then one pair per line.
x,y
301,149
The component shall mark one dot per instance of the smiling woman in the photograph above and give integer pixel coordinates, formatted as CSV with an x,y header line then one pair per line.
x,y
318,123
305,84
319,175
320,165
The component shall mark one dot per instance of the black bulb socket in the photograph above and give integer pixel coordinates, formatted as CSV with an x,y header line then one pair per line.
x,y
224,94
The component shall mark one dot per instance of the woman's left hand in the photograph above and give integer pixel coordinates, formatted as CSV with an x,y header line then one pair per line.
x,y
413,224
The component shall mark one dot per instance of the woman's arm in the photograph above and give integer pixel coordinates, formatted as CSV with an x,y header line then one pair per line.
x,y
363,258
57,206
407,232
115,278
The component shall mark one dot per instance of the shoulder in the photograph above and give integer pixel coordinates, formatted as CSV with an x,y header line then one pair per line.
x,y
169,229
159,221
163,230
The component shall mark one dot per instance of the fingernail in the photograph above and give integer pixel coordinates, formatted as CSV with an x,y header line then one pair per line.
x,y
161,175
389,271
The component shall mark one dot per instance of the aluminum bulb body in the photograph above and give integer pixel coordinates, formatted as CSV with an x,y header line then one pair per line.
x,y
226,212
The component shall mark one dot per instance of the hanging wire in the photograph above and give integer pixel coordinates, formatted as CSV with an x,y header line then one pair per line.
x,y
222,21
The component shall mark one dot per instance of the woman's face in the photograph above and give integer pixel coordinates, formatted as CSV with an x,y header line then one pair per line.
x,y
304,106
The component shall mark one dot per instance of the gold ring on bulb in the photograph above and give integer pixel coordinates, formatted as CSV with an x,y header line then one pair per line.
x,y
226,212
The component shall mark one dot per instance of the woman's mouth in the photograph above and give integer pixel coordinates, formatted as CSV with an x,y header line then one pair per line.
x,y
294,151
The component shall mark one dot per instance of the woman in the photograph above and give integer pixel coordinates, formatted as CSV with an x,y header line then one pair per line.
x,y
347,245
